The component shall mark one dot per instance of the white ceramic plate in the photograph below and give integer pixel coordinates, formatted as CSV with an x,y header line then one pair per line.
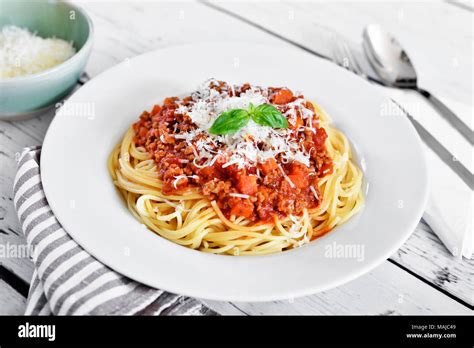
x,y
82,196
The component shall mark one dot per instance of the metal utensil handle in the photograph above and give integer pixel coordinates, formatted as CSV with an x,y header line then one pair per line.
x,y
440,150
449,116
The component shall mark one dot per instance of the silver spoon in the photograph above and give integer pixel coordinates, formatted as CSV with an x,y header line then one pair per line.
x,y
393,66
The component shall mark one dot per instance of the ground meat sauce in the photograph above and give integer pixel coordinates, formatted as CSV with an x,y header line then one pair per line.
x,y
263,190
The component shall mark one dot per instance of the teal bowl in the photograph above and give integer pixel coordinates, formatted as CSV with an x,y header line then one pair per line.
x,y
25,96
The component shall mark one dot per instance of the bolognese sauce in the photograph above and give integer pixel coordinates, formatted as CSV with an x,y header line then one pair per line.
x,y
258,172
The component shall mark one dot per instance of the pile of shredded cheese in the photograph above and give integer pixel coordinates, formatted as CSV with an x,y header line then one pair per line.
x,y
24,53
251,144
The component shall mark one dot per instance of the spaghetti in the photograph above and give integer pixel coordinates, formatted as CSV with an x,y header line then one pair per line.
x,y
240,194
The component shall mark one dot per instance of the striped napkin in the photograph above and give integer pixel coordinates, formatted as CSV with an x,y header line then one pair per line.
x,y
69,281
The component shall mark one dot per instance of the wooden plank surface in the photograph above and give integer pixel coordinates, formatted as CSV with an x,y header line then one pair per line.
x,y
11,302
387,290
125,30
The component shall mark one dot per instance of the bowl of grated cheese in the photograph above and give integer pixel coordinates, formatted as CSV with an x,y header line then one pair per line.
x,y
44,47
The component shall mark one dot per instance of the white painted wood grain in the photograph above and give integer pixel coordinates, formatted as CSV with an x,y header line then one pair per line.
x,y
125,29
424,255
387,290
11,302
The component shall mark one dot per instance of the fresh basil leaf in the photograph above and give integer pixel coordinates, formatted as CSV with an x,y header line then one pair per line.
x,y
230,122
251,108
268,115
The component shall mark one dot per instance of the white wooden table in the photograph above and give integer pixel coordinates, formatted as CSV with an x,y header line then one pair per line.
x,y
421,277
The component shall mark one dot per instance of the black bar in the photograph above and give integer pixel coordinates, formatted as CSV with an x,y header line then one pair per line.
x,y
288,330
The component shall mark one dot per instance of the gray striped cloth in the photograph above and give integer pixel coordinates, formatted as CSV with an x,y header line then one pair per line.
x,y
69,281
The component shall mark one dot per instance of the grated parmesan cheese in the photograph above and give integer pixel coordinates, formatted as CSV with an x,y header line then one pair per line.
x,y
252,143
25,53
179,177
286,177
239,195
315,193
